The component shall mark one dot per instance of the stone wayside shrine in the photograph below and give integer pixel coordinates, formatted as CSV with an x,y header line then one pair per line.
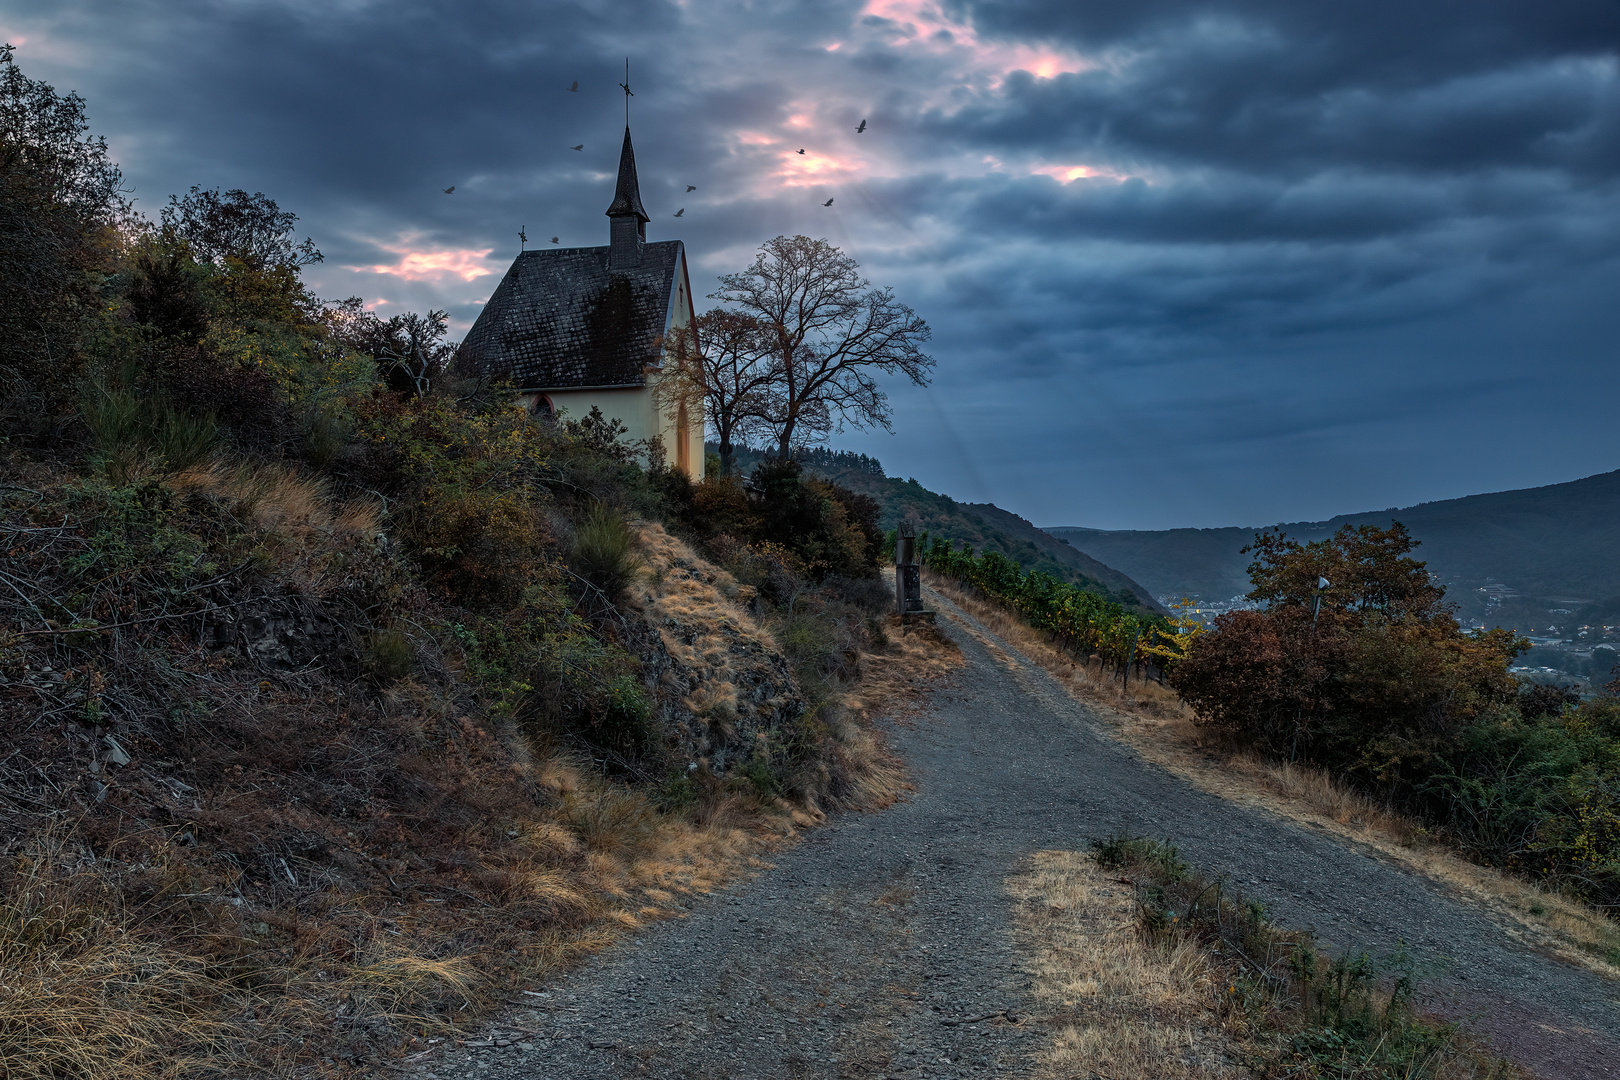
x,y
580,327
908,579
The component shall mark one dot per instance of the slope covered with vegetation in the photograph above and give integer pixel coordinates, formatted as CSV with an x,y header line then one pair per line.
x,y
984,527
340,695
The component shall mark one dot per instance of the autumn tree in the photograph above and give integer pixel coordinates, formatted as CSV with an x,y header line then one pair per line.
x,y
1368,569
1380,676
831,334
724,366
61,208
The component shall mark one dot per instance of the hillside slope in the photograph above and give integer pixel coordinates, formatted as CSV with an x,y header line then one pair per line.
x,y
1550,545
984,526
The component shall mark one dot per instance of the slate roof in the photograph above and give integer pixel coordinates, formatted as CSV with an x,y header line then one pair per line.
x,y
561,319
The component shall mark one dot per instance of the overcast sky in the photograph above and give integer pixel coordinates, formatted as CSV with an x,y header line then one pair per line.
x,y
1187,263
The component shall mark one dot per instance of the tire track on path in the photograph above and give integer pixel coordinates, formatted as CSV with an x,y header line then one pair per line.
x,y
864,948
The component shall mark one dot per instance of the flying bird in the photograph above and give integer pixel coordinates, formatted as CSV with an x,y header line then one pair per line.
x,y
554,240
581,146
691,188
681,211
801,151
861,128
451,190
827,203
575,88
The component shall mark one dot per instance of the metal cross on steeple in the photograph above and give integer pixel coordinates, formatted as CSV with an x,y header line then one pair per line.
x,y
625,86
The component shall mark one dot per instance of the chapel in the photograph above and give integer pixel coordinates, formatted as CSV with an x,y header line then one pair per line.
x,y
579,327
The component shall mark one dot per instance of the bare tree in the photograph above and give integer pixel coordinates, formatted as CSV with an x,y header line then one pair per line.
x,y
832,335
410,349
724,364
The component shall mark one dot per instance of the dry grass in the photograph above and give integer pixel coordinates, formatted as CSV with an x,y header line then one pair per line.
x,y
276,497
702,615
694,605
84,994
1154,720
1147,969
1121,1007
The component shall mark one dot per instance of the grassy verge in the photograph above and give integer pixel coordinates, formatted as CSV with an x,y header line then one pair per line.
x,y
1151,971
1153,720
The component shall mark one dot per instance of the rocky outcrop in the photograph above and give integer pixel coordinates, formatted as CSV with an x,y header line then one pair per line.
x,y
725,692
281,632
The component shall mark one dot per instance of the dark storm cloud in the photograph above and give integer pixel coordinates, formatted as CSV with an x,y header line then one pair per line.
x,y
1278,250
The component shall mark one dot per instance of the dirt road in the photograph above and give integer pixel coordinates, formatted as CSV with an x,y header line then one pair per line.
x,y
874,947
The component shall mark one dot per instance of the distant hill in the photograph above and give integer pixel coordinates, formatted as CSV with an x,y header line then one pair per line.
x,y
1549,548
985,526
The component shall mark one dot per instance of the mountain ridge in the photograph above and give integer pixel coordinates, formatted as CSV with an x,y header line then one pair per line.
x,y
1557,543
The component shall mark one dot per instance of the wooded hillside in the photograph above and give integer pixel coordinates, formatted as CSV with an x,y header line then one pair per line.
x,y
983,526
1556,545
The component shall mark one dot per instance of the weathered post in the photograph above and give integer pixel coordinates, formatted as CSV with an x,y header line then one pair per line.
x,y
908,579
907,574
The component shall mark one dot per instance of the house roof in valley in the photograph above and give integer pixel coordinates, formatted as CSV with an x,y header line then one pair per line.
x,y
563,317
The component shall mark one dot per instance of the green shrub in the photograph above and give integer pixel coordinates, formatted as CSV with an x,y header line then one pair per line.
x,y
604,551
388,656
325,438
624,720
762,776
134,434
678,793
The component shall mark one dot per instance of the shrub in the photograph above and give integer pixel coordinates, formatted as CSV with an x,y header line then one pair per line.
x,y
762,778
622,720
604,551
1385,690
465,501
134,434
388,656
829,529
1349,1015
721,506
1538,699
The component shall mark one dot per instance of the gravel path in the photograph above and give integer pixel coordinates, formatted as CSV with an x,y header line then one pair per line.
x,y
879,945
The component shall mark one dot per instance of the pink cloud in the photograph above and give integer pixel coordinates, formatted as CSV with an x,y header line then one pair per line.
x,y
419,265
924,24
809,169
1069,173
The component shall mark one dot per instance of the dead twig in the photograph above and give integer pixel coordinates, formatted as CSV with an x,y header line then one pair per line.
x,y
136,622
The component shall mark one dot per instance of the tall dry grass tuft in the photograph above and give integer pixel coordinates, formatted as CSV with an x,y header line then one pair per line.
x,y
277,498
84,994
397,987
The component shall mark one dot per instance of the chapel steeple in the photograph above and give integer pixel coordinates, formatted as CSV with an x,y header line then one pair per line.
x,y
629,221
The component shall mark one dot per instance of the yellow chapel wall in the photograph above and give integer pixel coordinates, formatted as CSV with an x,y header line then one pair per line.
x,y
637,408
